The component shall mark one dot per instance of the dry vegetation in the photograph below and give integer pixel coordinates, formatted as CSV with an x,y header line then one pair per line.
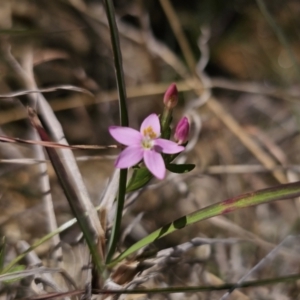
x,y
242,102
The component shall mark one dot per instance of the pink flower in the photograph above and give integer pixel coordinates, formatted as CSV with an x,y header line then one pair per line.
x,y
182,131
171,96
144,144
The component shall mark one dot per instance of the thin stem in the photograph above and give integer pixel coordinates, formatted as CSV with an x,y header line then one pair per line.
x,y
165,123
115,234
110,13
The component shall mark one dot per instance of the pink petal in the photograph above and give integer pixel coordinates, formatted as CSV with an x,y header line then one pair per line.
x,y
129,157
125,135
155,163
151,121
168,147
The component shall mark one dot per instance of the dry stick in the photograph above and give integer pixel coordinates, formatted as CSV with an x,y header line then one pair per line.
x,y
213,103
54,128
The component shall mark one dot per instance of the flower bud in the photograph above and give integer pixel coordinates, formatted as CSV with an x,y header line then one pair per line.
x,y
182,131
171,96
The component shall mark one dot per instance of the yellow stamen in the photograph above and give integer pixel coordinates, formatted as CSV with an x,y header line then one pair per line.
x,y
149,132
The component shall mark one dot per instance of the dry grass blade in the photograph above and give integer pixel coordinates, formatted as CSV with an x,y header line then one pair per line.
x,y
47,90
32,161
6,139
21,274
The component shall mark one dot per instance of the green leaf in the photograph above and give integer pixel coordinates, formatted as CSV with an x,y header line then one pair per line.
x,y
281,192
140,178
179,169
171,157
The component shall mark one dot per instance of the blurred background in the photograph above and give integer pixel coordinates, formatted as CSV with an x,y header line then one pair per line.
x,y
244,114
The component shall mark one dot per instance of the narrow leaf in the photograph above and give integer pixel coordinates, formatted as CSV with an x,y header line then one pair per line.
x,y
281,192
179,169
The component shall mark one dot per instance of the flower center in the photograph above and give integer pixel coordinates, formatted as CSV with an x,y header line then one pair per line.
x,y
147,144
148,136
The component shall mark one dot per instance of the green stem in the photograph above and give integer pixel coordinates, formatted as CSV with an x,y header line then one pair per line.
x,y
110,13
115,233
114,237
165,121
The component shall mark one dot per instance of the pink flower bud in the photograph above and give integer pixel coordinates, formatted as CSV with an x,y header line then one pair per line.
x,y
182,131
171,96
